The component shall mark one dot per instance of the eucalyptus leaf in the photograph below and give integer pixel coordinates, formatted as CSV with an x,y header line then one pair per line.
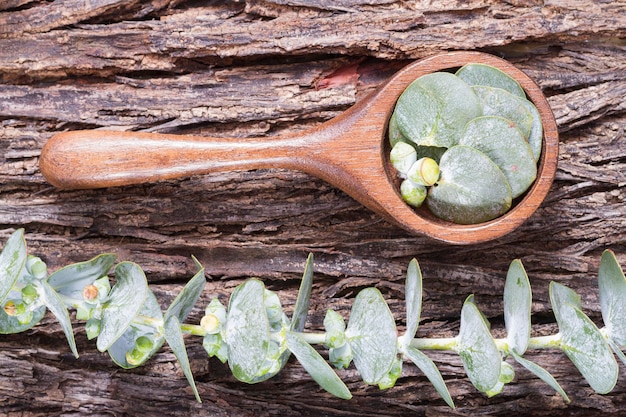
x,y
535,137
317,367
393,131
486,75
582,342
540,372
301,309
12,261
174,337
372,336
117,351
247,331
71,280
427,366
472,188
617,350
517,305
499,102
612,285
505,145
51,299
413,296
477,349
187,298
125,301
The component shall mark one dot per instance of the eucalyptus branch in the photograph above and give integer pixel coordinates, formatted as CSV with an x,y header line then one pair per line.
x,y
256,337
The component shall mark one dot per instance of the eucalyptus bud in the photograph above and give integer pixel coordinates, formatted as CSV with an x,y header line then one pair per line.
x,y
335,327
413,194
215,346
425,171
104,287
36,267
92,328
90,293
29,294
390,379
210,323
144,344
341,357
403,156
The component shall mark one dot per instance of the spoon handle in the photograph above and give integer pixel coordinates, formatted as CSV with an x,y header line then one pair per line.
x,y
98,159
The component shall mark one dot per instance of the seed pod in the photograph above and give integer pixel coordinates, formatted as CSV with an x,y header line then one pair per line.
x,y
413,194
424,171
402,156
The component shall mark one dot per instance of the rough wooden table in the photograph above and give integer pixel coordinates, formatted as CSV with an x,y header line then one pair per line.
x,y
258,68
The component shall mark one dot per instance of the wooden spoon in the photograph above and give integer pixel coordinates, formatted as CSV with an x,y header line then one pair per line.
x,y
350,152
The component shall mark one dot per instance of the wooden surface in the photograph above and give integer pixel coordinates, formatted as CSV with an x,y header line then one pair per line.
x,y
269,68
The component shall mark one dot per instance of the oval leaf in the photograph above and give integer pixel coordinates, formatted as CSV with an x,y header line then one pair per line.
x,y
517,304
301,309
472,189
544,375
71,279
10,324
187,298
247,331
499,102
372,335
126,342
174,337
504,144
582,342
477,349
12,261
125,301
427,366
54,303
612,284
535,137
413,290
317,367
486,75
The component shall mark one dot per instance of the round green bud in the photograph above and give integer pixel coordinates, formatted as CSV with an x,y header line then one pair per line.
x,y
403,156
210,323
135,357
144,344
425,171
29,294
92,328
413,194
36,267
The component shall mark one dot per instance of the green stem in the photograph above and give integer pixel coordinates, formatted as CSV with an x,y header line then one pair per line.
x,y
313,338
444,343
193,329
545,342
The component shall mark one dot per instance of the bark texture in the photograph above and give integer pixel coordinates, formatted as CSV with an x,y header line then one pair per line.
x,y
261,68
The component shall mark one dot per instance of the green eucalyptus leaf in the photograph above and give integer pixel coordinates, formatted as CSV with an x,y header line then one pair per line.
x,y
504,144
118,350
427,366
582,342
125,301
317,367
247,331
499,102
517,305
617,350
434,109
301,309
51,299
71,280
11,324
540,372
612,285
535,137
12,261
393,131
486,75
187,298
472,189
413,296
477,349
174,337
372,335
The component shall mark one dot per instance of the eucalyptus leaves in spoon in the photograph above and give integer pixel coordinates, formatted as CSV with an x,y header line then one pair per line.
x,y
256,337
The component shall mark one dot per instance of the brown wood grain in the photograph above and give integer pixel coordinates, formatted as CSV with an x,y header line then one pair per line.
x,y
272,68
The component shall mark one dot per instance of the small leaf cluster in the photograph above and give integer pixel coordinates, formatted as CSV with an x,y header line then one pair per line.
x,y
256,337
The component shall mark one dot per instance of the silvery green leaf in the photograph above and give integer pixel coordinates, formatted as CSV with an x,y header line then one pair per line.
x,y
517,304
540,372
174,337
372,335
335,327
535,137
482,74
582,342
617,350
317,367
125,301
12,261
612,285
413,298
125,343
301,309
477,349
51,299
71,280
472,188
187,298
11,324
504,144
393,131
499,102
247,331
427,366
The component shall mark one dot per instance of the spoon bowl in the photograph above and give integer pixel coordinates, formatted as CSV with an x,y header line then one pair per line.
x,y
350,152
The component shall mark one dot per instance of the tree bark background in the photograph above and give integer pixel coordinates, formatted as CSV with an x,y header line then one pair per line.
x,y
261,68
